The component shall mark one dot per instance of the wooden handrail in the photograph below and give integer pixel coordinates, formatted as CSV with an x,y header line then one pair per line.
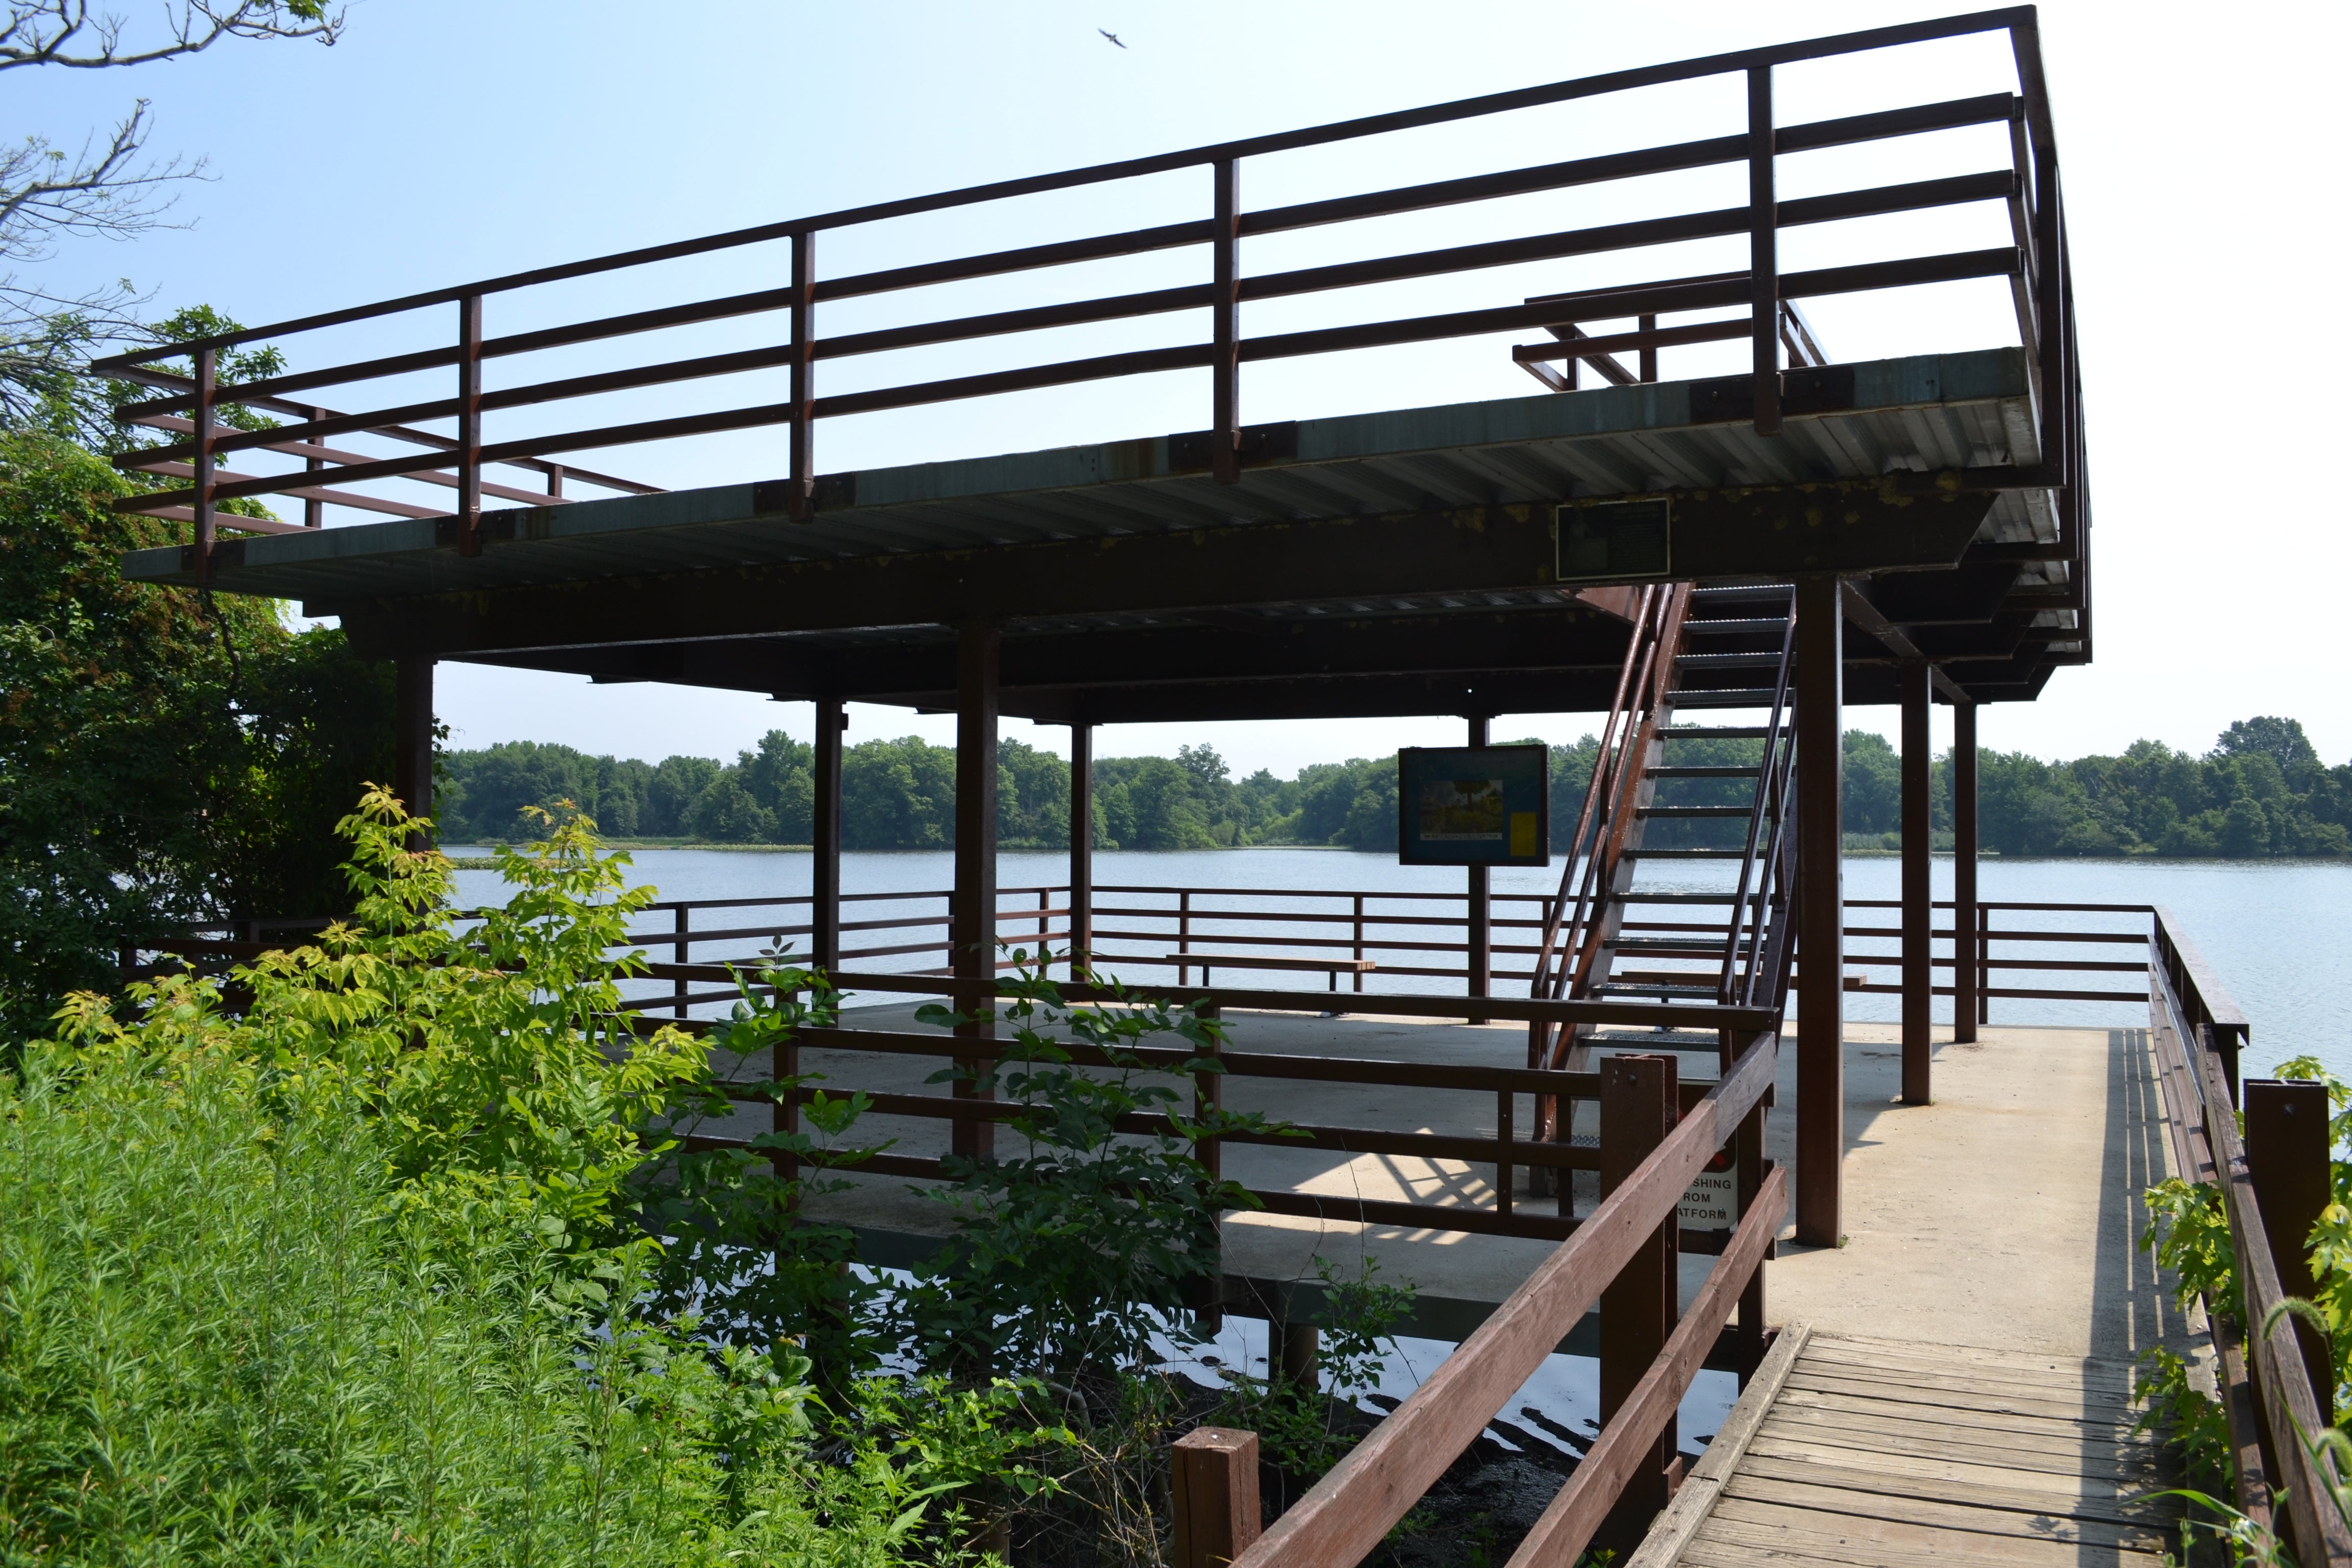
x,y
1352,1509
2266,1382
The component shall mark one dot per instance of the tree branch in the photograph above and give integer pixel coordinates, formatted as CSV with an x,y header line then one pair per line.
x,y
65,32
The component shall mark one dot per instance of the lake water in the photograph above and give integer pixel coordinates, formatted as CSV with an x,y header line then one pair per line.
x,y
2279,933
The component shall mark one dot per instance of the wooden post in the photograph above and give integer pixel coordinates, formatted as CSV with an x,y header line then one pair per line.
x,y
1296,1359
1480,957
412,737
824,838
1639,1106
1082,850
1217,1509
1918,898
1748,1168
972,923
2286,1155
1821,918
1968,979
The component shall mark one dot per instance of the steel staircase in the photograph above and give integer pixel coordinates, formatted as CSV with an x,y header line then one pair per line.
x,y
1678,923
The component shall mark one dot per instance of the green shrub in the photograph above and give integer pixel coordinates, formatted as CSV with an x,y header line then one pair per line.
x,y
356,1278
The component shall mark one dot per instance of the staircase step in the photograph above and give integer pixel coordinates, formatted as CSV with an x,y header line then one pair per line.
x,y
1687,854
1700,946
1669,771
1665,812
1664,1035
1678,897
1726,661
1719,732
1729,696
1736,627
1613,988
1716,596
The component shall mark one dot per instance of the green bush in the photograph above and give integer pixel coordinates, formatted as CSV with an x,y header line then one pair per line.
x,y
356,1277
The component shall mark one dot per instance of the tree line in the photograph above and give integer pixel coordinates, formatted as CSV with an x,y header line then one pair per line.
x,y
2262,790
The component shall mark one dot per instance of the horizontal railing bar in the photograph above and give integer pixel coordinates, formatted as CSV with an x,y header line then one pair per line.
x,y
1342,130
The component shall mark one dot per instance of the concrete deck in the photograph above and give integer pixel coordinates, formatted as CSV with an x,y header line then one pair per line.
x,y
2006,1214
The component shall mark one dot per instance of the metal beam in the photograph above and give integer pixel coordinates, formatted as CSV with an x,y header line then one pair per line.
x,y
1845,527
1918,922
412,725
972,920
825,837
1821,918
1966,977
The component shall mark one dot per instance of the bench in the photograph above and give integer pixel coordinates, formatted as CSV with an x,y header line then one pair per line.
x,y
1184,962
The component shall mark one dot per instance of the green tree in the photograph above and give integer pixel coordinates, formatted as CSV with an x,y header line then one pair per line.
x,y
166,757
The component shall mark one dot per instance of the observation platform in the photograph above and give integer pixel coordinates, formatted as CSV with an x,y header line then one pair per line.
x,y
1403,561
2005,1214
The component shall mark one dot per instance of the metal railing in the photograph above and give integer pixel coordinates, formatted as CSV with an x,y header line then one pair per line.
x,y
2024,187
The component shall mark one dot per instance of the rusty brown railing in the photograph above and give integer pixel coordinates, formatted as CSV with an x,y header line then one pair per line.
x,y
461,343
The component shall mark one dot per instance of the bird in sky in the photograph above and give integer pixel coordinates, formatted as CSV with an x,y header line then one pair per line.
x,y
1111,36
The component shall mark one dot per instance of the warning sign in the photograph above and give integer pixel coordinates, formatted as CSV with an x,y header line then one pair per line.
x,y
1712,1200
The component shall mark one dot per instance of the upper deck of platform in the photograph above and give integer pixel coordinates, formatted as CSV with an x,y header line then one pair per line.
x,y
1953,480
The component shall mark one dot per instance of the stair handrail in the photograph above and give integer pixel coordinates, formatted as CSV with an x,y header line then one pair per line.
x,y
1772,764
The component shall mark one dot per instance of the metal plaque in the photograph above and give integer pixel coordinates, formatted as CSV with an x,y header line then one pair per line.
x,y
1614,542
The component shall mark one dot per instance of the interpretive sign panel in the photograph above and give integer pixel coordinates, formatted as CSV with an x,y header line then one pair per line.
x,y
1473,806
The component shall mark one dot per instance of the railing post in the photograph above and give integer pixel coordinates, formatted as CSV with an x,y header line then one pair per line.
x,y
1217,1508
1748,1166
1639,1107
1184,922
1358,947
314,510
207,366
1984,964
1649,354
555,481
1209,1097
1967,981
1763,251
1225,325
801,504
680,948
469,425
2286,1155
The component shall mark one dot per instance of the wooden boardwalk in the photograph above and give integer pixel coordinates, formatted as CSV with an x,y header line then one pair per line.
x,y
1858,1451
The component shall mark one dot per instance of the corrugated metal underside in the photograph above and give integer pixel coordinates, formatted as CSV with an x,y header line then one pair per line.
x,y
1922,413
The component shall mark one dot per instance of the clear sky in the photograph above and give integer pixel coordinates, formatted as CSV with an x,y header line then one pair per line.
x,y
443,141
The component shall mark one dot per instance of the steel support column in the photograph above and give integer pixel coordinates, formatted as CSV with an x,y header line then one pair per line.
x,y
1082,848
971,914
824,838
1918,898
1480,958
1968,980
1820,916
411,737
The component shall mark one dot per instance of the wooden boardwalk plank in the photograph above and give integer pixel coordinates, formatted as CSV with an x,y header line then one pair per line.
x,y
1959,1395
1889,1455
2028,1421
1897,1434
2053,1385
2112,1376
1732,1544
1996,1491
1933,1462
